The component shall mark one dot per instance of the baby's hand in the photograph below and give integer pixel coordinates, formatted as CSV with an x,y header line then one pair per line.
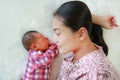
x,y
53,46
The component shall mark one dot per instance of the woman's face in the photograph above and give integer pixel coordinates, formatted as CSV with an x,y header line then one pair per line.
x,y
63,36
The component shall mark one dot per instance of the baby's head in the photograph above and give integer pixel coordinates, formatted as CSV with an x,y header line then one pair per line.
x,y
33,40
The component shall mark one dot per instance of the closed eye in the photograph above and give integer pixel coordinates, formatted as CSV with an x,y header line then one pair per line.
x,y
57,31
58,34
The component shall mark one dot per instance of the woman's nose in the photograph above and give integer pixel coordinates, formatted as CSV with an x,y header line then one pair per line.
x,y
55,39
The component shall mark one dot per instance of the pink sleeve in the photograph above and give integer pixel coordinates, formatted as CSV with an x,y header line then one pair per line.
x,y
45,59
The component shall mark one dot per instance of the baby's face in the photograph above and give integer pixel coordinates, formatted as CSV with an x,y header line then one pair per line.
x,y
42,42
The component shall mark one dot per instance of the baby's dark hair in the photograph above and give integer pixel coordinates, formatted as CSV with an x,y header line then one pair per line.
x,y
27,39
96,36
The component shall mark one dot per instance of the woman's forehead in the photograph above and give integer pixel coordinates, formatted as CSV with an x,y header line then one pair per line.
x,y
57,23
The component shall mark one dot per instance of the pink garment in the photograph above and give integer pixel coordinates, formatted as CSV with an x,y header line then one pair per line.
x,y
38,65
94,66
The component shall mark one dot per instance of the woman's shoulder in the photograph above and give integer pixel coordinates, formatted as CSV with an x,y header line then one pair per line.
x,y
93,60
97,64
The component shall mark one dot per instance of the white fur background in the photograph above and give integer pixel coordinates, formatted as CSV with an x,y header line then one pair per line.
x,y
19,16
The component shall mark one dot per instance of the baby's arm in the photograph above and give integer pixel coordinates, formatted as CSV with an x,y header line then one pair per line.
x,y
107,22
46,58
41,60
54,48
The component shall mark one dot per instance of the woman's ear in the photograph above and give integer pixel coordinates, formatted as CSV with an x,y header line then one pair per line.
x,y
82,33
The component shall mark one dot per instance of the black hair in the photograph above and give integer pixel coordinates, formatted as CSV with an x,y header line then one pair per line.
x,y
76,14
27,39
96,36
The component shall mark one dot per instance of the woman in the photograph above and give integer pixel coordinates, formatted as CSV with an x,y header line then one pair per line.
x,y
72,26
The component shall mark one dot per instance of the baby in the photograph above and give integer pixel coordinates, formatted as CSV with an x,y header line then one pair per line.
x,y
41,54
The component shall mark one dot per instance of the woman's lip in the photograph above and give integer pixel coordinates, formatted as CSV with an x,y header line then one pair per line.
x,y
59,46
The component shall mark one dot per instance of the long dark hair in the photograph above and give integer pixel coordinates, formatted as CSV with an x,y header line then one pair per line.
x,y
76,14
96,36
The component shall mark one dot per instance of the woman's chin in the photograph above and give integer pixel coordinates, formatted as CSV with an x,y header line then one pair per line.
x,y
63,51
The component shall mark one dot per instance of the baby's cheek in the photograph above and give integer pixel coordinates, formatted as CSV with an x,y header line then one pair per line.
x,y
44,45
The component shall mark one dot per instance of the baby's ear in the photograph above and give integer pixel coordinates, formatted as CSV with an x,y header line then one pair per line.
x,y
82,33
33,46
